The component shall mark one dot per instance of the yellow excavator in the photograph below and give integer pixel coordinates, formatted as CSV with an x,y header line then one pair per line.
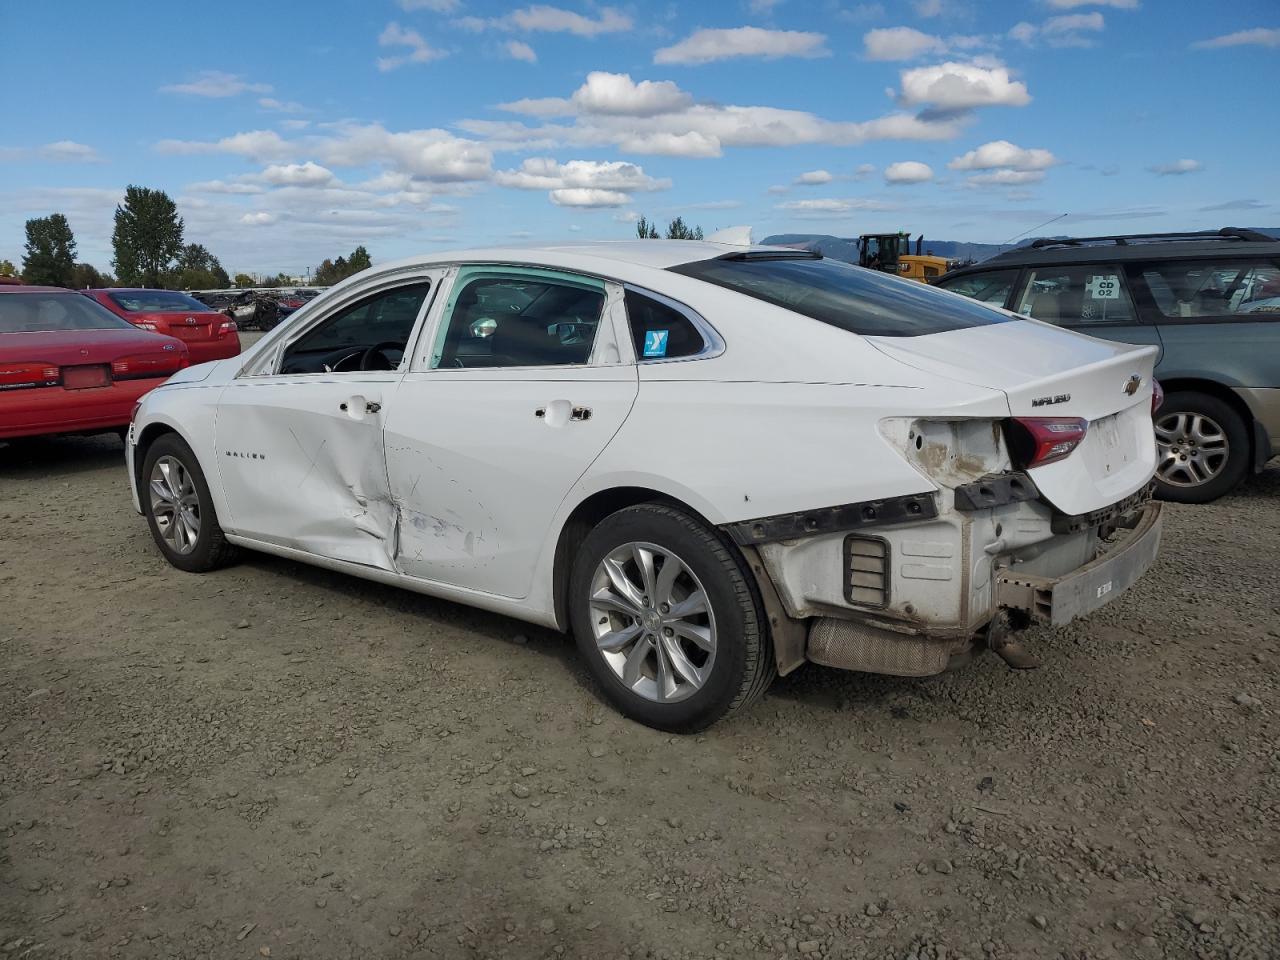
x,y
891,252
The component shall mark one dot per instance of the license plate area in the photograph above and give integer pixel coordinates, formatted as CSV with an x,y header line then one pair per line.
x,y
86,376
189,333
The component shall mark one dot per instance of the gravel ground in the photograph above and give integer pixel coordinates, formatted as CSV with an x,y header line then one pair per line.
x,y
274,760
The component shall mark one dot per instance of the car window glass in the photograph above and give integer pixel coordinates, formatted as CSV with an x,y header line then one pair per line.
x,y
155,301
660,332
851,298
1077,295
991,288
1189,289
339,343
519,319
32,312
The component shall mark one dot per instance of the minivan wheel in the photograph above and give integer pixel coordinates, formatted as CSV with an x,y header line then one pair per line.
x,y
667,619
1202,447
179,510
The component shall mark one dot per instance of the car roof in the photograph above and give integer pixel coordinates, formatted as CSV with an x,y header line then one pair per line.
x,y
658,254
1139,249
25,288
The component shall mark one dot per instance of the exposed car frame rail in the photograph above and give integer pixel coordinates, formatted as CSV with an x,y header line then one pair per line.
x,y
849,516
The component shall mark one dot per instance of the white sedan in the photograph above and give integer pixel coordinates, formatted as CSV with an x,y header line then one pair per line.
x,y
711,462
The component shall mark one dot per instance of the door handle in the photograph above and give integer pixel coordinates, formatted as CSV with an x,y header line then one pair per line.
x,y
371,406
580,413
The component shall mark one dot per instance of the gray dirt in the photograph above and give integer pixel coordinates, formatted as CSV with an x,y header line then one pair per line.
x,y
275,760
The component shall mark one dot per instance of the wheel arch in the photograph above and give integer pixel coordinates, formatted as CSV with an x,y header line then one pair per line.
x,y
1220,391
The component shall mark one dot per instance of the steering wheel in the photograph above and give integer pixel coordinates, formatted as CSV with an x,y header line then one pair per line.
x,y
375,359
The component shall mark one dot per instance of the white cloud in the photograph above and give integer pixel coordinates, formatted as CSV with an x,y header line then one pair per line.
x,y
1072,4
435,6
307,174
619,95
813,178
706,46
1177,168
908,171
519,50
1068,30
1074,21
587,197
1005,178
1002,153
541,18
281,106
1024,32
258,218
233,188
216,83
864,171
762,7
260,145
712,205
929,8
626,216
295,124
544,173
394,35
688,144
960,86
900,43
831,207
539,107
68,151
1259,37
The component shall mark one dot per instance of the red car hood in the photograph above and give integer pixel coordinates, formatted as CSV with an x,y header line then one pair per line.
x,y
69,347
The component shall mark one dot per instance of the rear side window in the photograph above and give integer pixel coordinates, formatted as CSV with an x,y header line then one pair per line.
x,y
660,332
39,312
852,298
990,288
1190,289
1077,295
155,301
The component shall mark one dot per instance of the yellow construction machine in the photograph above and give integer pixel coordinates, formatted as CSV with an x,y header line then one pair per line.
x,y
891,252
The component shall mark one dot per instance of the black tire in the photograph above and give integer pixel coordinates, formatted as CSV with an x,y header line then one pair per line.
x,y
1233,428
211,549
744,664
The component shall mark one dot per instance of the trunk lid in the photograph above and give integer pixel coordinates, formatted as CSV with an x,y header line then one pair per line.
x,y
1045,371
187,326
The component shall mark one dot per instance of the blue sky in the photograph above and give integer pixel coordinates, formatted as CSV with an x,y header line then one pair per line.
x,y
288,132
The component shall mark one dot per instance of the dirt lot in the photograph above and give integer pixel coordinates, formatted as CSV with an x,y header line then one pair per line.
x,y
277,761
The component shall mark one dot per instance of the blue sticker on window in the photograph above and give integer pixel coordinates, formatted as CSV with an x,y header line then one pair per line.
x,y
655,343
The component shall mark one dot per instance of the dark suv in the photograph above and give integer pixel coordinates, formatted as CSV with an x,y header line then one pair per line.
x,y
1211,303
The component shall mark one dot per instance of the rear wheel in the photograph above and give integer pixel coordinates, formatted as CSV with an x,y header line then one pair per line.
x,y
179,509
667,619
1202,445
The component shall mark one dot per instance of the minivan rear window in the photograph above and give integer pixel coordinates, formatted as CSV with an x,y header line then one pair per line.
x,y
852,298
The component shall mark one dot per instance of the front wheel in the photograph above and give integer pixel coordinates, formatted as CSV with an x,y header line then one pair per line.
x,y
667,619
179,510
1202,445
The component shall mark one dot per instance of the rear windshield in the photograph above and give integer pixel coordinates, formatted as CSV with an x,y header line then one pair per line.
x,y
155,301
31,312
853,298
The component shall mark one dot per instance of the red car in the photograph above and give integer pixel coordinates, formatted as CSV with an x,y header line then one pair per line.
x,y
69,366
209,335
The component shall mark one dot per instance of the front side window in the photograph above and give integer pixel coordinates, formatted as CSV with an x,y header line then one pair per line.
x,y
660,332
156,301
37,312
989,288
861,301
370,334
1190,289
518,318
1077,295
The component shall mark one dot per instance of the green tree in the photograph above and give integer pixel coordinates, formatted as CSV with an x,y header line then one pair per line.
x,y
677,230
646,230
198,269
279,280
359,260
147,237
334,271
7,269
243,280
51,252
85,276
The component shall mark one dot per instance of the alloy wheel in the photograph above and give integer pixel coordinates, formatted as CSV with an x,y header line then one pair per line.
x,y
1193,449
175,504
652,622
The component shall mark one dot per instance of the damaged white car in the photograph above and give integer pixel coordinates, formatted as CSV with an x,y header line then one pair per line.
x,y
711,462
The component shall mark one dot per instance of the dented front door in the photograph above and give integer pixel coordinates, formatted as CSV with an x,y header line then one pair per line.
x,y
301,462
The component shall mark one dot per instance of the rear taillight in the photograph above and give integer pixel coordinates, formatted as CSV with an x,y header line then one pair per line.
x,y
226,327
140,365
1035,441
137,405
1157,395
15,376
146,325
